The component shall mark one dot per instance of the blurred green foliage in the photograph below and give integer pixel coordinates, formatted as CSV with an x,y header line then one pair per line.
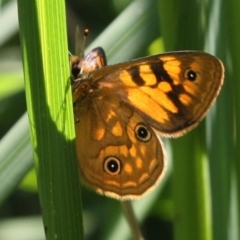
x,y
202,25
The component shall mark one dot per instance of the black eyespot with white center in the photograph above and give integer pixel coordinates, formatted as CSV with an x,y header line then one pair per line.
x,y
112,165
190,75
142,133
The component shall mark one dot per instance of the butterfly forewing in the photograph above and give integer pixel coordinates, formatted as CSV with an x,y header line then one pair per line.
x,y
173,91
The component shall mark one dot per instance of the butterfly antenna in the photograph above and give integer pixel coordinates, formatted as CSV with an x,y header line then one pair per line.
x,y
79,49
86,32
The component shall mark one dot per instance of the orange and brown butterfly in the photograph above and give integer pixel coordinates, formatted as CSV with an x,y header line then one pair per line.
x,y
120,111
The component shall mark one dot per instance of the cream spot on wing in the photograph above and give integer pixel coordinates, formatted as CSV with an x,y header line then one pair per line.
x,y
185,99
144,177
112,150
129,184
150,99
192,88
128,168
172,67
99,133
126,78
117,129
171,63
161,99
165,86
152,164
133,151
139,163
111,115
147,74
143,150
111,183
124,150
169,58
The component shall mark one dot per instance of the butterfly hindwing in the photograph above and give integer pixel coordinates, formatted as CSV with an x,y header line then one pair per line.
x,y
119,154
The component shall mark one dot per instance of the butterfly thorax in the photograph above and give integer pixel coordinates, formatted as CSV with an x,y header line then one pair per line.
x,y
94,60
83,84
83,88
82,69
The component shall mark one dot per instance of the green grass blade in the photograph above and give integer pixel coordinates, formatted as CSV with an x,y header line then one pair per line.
x,y
220,130
130,34
187,28
233,38
46,70
14,163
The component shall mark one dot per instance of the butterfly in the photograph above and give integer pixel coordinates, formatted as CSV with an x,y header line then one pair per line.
x,y
121,110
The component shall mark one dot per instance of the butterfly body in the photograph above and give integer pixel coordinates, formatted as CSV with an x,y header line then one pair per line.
x,y
121,109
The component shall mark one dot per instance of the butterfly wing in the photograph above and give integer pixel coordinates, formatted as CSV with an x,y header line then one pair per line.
x,y
119,154
172,91
116,106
